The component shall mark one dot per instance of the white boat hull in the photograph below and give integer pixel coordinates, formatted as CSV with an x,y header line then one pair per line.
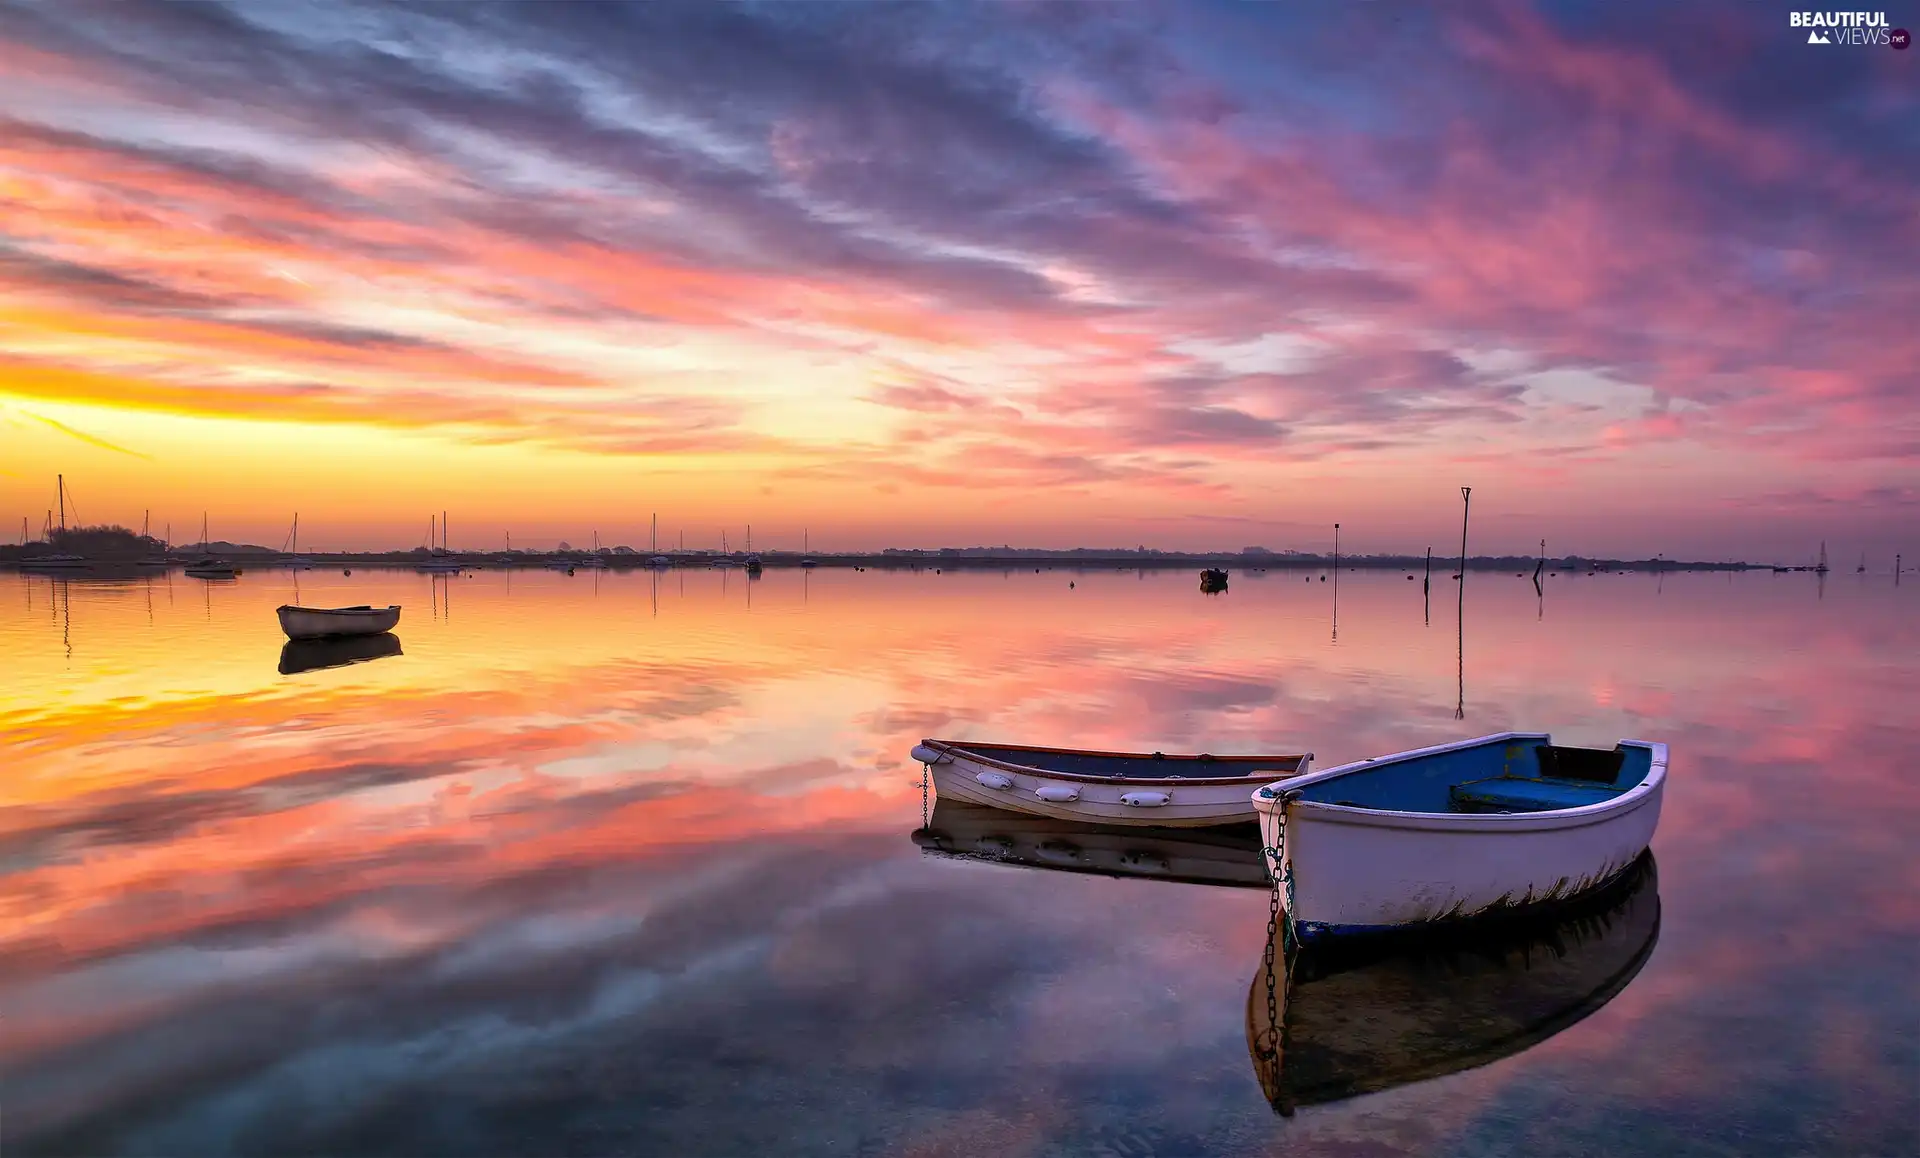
x,y
1359,869
327,623
1187,804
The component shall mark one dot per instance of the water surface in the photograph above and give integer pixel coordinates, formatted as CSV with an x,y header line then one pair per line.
x,y
623,864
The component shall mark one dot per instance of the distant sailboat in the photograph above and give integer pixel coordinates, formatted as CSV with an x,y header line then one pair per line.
x,y
596,561
209,565
653,545
1821,567
151,559
753,560
1862,568
438,560
806,549
294,559
61,561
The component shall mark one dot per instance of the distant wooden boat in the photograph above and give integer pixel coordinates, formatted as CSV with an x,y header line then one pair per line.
x,y
1213,581
1126,788
1461,830
1228,855
328,622
335,651
1346,1018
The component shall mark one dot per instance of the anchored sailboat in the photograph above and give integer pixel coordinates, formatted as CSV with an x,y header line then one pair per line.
x,y
62,561
439,560
653,546
294,559
209,565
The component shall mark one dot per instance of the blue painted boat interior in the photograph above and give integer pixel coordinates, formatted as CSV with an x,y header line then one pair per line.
x,y
1518,775
1140,767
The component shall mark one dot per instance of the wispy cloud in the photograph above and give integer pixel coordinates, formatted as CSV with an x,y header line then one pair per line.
x,y
83,436
1116,242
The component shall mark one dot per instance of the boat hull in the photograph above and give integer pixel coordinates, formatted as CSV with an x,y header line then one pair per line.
x,y
1359,870
1190,803
331,623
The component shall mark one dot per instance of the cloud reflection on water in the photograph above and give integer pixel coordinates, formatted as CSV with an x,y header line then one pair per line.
x,y
565,877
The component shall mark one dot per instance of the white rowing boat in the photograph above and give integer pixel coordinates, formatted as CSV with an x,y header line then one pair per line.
x,y
1129,788
327,622
1458,830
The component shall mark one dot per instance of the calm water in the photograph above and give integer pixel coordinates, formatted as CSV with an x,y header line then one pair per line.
x,y
608,865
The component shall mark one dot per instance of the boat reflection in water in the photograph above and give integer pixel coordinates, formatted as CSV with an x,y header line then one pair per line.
x,y
1343,1019
1228,855
338,651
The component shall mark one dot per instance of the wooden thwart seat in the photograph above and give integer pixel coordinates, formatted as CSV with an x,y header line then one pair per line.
x,y
1516,794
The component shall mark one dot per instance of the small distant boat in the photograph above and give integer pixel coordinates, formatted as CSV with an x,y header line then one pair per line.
x,y
806,549
56,563
1470,829
1127,788
659,562
328,622
1213,581
1227,855
300,655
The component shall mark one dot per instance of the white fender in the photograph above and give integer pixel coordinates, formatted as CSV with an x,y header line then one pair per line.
x,y
1146,799
927,755
1057,793
994,780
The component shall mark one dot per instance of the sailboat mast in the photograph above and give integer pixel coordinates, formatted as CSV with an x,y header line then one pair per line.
x,y
296,532
62,483
443,530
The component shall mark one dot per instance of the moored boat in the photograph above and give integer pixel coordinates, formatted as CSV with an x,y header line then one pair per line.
x,y
1460,830
1228,855
327,622
56,563
211,567
1126,788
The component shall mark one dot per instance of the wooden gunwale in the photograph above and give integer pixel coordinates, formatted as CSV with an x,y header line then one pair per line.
x,y
1288,763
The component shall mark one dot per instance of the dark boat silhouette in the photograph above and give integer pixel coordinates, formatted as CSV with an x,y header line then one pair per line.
x,y
1222,855
312,654
1373,1014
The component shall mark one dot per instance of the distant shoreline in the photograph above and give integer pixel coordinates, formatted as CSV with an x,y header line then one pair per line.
x,y
928,560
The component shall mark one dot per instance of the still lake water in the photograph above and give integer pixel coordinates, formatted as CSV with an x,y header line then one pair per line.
x,y
610,864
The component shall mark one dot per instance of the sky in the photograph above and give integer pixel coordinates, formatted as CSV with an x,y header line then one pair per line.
x,y
1190,276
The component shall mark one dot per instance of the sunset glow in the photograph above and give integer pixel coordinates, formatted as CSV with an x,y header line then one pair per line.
x,y
1193,276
